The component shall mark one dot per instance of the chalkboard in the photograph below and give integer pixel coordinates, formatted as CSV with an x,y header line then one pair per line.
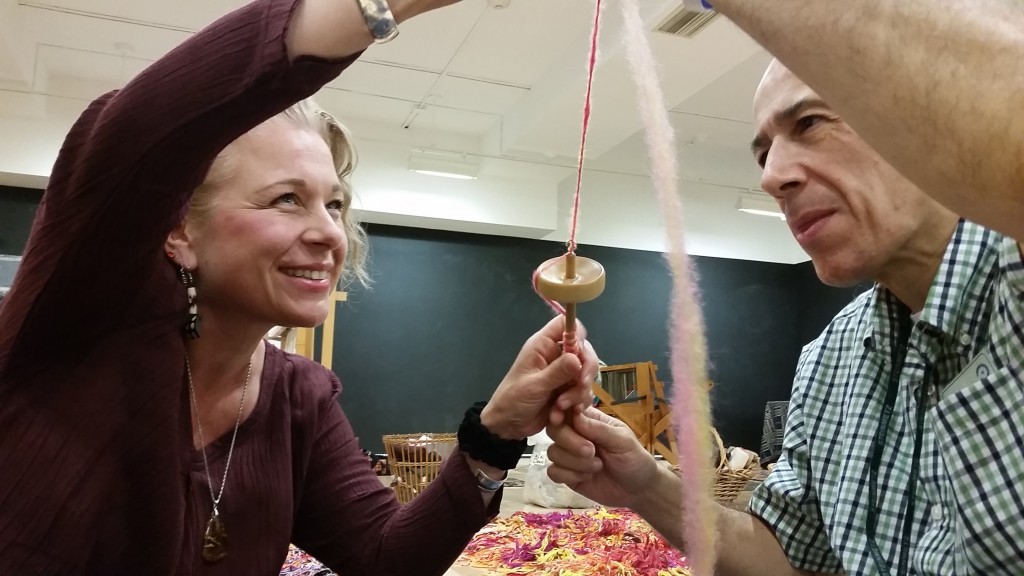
x,y
17,211
820,303
448,313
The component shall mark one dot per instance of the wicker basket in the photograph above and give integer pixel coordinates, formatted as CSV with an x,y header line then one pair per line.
x,y
415,460
729,483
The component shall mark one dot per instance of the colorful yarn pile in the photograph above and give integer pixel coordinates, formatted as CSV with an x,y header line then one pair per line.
x,y
613,542
298,563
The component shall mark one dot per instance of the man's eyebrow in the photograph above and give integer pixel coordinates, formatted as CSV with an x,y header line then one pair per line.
x,y
757,143
786,115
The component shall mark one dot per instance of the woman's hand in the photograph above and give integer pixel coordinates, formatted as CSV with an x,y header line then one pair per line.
x,y
404,9
542,384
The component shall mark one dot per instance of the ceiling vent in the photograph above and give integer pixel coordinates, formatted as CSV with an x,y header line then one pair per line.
x,y
686,23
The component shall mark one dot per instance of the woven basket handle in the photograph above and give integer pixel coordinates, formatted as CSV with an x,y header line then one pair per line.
x,y
722,460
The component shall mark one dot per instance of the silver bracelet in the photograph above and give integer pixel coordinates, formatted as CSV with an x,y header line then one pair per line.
x,y
379,20
488,484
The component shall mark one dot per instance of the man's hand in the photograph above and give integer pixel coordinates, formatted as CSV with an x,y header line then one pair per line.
x,y
600,457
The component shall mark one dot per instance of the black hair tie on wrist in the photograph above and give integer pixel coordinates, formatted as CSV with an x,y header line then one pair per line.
x,y
483,445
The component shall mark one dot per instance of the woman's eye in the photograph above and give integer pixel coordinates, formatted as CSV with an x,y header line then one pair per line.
x,y
289,198
336,207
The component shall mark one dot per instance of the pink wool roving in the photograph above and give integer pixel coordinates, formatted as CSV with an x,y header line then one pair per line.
x,y
690,405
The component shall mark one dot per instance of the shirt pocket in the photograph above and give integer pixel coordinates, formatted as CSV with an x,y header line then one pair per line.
x,y
978,438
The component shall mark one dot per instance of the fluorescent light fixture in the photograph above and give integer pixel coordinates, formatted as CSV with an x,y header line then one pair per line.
x,y
759,203
443,167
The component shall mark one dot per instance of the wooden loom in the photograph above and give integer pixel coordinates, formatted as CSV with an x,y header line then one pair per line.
x,y
632,393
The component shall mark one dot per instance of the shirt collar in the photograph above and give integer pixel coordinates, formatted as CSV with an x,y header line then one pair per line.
x,y
960,285
955,293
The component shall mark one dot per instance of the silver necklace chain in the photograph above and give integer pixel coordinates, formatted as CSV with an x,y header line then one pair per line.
x,y
202,441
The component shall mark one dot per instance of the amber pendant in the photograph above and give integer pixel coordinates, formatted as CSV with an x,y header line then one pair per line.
x,y
215,540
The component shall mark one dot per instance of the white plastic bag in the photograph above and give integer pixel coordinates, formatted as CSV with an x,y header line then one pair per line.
x,y
541,490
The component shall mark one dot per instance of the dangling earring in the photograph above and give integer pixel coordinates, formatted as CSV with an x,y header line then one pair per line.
x,y
192,319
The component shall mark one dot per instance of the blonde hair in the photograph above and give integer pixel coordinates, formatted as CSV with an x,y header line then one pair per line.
x,y
305,114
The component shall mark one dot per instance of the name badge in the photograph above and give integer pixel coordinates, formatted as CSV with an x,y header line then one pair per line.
x,y
978,369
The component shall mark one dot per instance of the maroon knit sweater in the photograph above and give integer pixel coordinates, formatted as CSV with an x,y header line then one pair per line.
x,y
98,474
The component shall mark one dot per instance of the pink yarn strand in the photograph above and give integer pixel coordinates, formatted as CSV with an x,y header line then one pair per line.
x,y
569,342
691,409
591,66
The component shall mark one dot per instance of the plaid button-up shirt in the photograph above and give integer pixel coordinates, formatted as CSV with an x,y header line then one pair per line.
x,y
963,359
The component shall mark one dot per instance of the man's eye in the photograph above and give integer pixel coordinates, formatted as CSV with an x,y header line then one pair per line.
x,y
807,122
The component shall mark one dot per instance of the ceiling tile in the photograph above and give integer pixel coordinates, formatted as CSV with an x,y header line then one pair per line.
x,y
429,41
385,80
343,104
453,120
475,95
181,14
99,35
517,44
732,94
710,150
80,74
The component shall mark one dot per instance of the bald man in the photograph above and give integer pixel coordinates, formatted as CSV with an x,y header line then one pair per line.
x,y
903,450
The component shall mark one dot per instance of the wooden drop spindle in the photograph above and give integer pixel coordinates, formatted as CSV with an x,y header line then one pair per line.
x,y
570,280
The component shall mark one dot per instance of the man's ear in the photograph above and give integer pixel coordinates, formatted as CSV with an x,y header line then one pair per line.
x,y
179,247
